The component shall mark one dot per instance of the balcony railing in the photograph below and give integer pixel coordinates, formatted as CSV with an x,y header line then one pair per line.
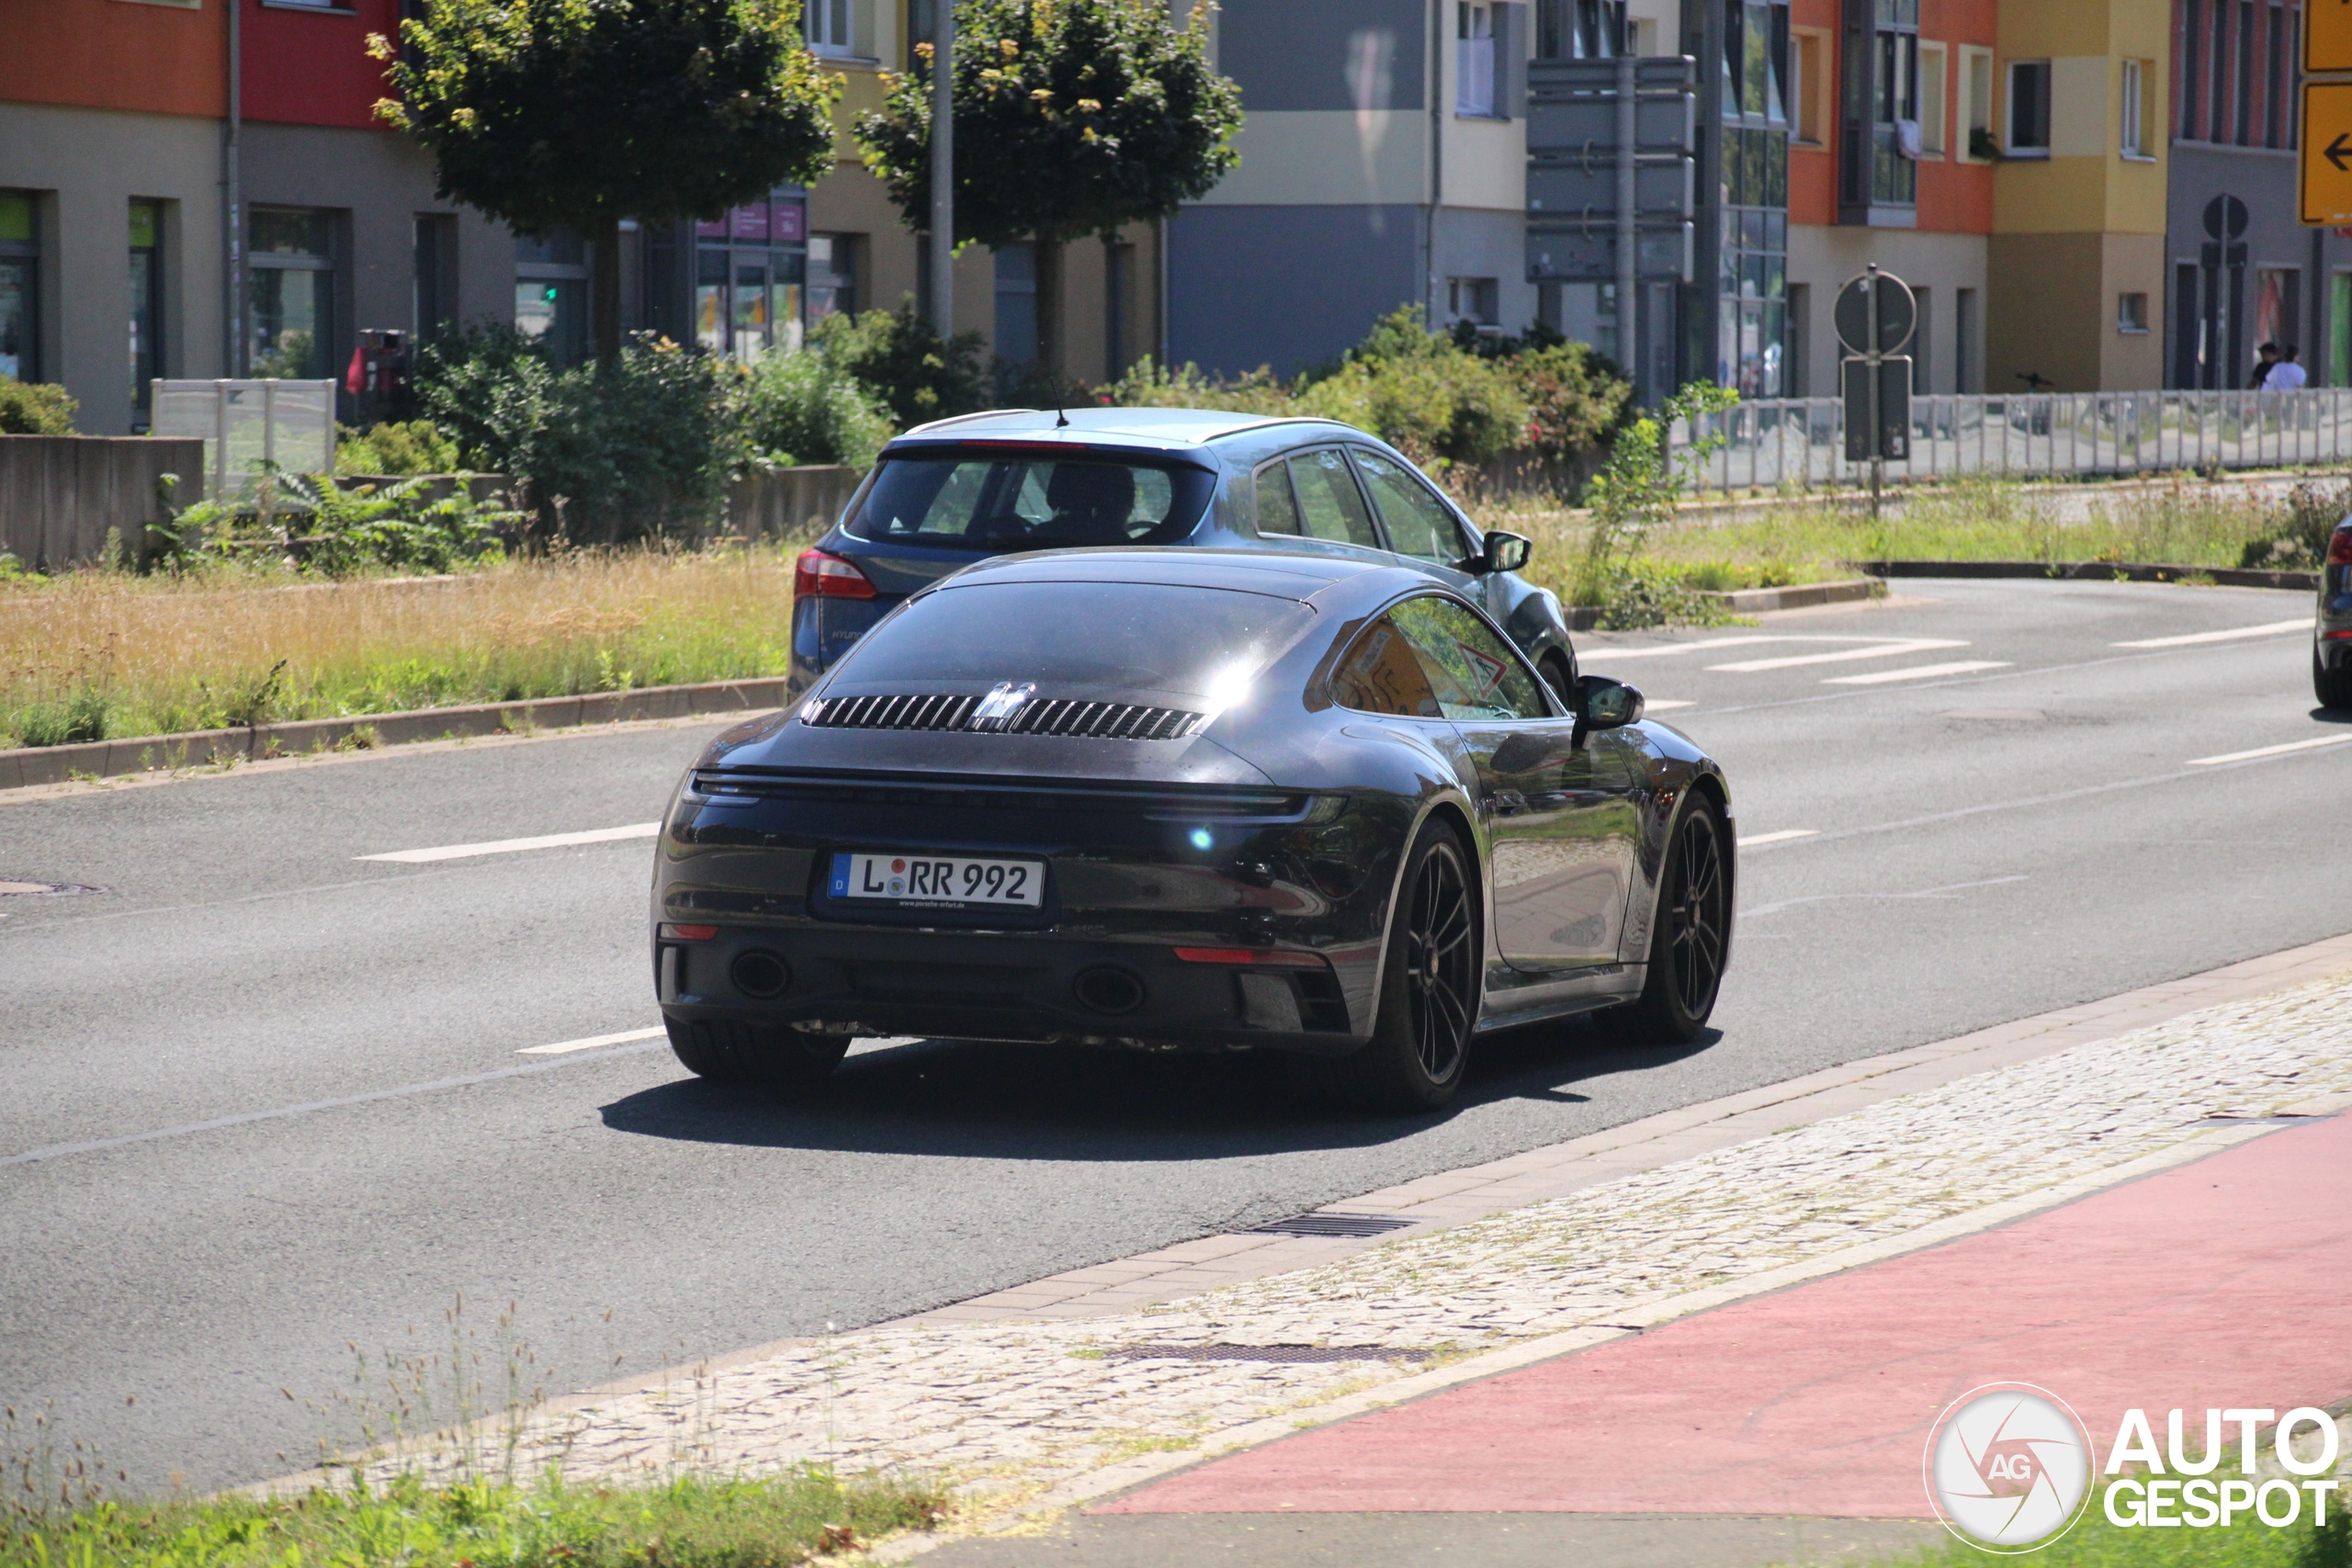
x,y
1799,443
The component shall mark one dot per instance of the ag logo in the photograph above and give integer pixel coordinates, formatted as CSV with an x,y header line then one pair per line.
x,y
2008,1467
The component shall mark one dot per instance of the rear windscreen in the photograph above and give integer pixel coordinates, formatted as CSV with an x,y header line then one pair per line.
x,y
975,501
1080,639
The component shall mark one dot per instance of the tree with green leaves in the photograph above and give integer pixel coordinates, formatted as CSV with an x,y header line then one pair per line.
x,y
1072,118
573,115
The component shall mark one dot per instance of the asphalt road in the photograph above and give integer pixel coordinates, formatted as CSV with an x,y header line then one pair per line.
x,y
265,1113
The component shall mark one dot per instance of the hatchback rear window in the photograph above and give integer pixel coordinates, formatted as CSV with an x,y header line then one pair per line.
x,y
1080,639
979,501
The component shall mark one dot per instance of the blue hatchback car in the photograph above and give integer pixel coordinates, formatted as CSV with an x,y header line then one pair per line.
x,y
949,494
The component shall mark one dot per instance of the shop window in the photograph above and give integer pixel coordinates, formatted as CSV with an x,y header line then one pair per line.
x,y
832,276
751,279
551,295
146,310
289,310
19,287
2029,108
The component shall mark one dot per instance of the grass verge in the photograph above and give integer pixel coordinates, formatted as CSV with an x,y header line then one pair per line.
x,y
686,1522
2096,1543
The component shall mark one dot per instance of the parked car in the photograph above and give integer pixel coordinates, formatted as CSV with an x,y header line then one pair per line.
x,y
1206,799
2331,637
947,494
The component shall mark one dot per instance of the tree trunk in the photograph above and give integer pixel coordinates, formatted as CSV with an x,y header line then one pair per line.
x,y
1049,303
605,314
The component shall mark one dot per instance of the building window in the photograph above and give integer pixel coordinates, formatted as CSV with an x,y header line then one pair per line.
x,y
1976,105
2244,116
1473,58
551,300
1118,305
1933,142
1752,237
1475,300
146,310
1809,86
1016,303
751,277
19,287
289,310
2030,109
827,22
1581,30
832,276
2275,99
434,298
2132,132
2192,22
2131,313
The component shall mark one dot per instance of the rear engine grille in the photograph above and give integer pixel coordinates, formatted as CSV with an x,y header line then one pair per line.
x,y
1053,715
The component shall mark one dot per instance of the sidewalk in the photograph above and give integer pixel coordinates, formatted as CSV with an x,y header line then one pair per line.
x,y
1521,1276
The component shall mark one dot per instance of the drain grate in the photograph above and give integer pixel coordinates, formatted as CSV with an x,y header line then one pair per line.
x,y
55,890
1333,1224
1293,1355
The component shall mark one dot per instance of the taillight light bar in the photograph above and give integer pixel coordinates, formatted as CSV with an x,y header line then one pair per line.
x,y
1251,955
2339,547
687,933
819,574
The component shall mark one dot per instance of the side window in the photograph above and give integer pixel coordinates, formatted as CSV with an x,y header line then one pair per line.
x,y
1328,503
1417,524
1472,674
1380,673
1277,510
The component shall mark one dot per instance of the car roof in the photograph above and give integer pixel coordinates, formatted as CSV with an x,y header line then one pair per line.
x,y
1161,429
1279,574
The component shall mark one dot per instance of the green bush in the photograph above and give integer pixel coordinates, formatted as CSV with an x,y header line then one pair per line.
x,y
311,522
907,366
1424,394
1146,386
416,447
486,387
806,407
35,408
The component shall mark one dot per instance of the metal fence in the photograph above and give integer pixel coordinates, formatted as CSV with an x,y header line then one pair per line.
x,y
245,425
1799,443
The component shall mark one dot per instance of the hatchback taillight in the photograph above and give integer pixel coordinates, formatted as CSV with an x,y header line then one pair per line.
x,y
2339,548
823,576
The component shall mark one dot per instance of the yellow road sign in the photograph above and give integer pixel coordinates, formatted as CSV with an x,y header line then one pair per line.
x,y
2327,35
2327,148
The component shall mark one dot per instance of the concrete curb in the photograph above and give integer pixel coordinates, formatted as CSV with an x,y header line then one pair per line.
x,y
109,759
1761,600
2095,571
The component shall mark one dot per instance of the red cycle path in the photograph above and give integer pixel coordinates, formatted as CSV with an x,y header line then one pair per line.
x,y
2223,1283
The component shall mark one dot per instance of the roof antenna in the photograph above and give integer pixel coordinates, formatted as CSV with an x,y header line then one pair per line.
x,y
1061,420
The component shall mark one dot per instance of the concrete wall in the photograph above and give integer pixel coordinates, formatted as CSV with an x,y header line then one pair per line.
x,y
2266,181
62,495
85,166
1821,257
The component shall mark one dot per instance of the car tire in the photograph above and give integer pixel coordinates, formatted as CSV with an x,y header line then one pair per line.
x,y
2332,687
1429,987
730,1051
1690,934
1554,670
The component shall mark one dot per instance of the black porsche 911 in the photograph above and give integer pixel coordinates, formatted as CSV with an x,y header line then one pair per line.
x,y
1170,799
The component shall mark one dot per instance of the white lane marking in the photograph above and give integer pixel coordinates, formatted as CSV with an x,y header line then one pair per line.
x,y
1949,890
1608,655
1917,672
1879,651
509,846
1782,837
2268,628
562,1048
2268,751
1648,707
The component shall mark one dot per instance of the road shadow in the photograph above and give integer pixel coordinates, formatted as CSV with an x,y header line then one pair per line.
x,y
986,1101
2331,715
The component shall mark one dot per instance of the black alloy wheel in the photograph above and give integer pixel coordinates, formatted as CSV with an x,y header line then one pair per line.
x,y
2332,687
1429,989
1690,936
1556,673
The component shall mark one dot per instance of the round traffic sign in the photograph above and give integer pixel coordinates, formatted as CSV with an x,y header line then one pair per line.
x,y
2226,212
1876,313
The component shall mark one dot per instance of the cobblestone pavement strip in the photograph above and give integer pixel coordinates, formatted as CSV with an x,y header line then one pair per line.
x,y
1013,1409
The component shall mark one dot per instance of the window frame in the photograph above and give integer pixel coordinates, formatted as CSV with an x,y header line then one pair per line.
x,y
1934,91
1356,454
2133,144
1347,464
1974,58
1555,706
2013,147
329,262
27,252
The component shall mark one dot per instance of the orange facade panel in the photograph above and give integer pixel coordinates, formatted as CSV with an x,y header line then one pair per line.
x,y
147,55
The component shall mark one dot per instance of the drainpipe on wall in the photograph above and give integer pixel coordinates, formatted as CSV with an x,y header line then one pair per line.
x,y
1437,161
942,257
233,202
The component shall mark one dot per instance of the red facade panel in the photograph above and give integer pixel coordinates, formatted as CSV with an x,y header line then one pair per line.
x,y
104,54
311,67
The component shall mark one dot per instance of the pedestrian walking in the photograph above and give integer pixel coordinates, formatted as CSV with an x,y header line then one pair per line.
x,y
2285,376
2268,355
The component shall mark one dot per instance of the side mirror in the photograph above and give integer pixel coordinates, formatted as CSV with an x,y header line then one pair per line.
x,y
1603,703
1507,552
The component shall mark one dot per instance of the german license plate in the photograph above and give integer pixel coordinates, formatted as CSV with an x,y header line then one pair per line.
x,y
939,881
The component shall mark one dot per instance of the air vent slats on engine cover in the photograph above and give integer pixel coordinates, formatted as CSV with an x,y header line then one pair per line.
x,y
1064,716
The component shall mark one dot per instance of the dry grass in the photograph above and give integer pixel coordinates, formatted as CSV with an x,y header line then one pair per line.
x,y
127,656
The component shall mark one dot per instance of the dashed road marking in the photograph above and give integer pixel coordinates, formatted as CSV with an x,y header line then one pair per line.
x,y
511,846
2268,628
1917,672
2269,751
1889,649
562,1048
1609,654
1648,707
1782,837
